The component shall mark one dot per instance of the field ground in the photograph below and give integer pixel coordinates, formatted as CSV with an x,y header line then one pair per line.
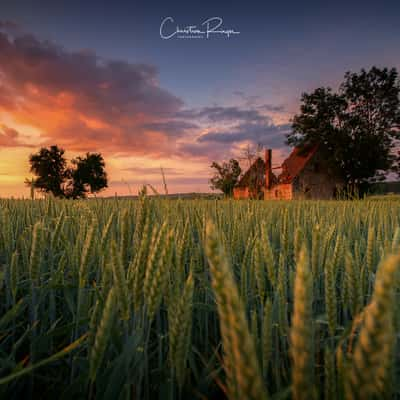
x,y
207,299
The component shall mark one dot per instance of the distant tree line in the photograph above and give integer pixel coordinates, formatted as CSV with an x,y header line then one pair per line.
x,y
53,175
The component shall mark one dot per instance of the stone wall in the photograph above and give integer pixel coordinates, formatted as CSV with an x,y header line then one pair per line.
x,y
315,181
241,193
281,191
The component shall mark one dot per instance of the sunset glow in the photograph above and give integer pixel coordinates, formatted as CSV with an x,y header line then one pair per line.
x,y
145,102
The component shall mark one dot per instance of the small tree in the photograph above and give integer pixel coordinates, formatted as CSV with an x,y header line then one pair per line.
x,y
226,176
85,175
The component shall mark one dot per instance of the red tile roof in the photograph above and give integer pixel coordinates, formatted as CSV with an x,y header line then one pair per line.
x,y
291,167
295,163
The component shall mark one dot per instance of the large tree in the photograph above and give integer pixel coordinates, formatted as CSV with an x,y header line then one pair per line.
x,y
52,174
356,128
226,176
50,167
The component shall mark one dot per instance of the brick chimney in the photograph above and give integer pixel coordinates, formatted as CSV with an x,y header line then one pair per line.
x,y
268,168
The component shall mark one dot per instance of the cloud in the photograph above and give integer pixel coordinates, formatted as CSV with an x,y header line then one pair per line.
x,y
9,26
153,171
266,134
172,127
254,101
10,137
80,100
233,124
221,113
205,151
6,98
84,102
188,180
228,128
271,108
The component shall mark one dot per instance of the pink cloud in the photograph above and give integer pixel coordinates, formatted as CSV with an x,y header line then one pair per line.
x,y
82,101
10,137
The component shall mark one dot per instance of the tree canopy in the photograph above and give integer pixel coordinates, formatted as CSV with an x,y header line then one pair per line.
x,y
226,176
50,167
356,128
88,175
53,175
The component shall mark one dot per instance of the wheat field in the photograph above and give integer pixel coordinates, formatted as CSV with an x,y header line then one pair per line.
x,y
199,299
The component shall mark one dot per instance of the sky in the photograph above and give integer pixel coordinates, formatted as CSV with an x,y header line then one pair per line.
x,y
123,78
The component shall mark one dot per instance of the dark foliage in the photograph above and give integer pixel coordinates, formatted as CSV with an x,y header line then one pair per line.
x,y
356,128
86,175
226,176
49,166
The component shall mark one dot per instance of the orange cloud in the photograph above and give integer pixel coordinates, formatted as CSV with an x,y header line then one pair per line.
x,y
10,137
83,102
